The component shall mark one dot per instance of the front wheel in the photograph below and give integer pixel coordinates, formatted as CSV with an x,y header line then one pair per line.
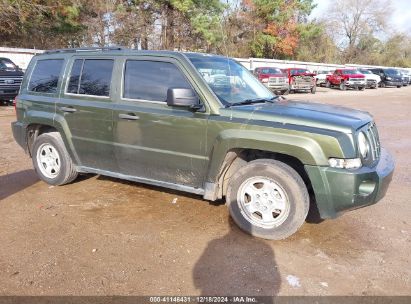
x,y
313,89
328,84
52,161
268,199
343,87
362,88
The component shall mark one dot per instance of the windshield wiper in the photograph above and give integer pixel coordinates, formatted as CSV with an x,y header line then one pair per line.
x,y
251,101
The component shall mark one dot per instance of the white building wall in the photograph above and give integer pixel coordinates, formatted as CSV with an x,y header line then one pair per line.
x,y
21,57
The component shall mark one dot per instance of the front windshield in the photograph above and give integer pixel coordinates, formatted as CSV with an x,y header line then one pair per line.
x,y
349,72
391,72
6,64
271,71
299,71
229,80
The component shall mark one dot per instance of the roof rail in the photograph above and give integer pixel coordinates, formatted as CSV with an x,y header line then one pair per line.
x,y
87,49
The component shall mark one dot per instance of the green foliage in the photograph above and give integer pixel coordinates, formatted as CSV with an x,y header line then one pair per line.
x,y
240,28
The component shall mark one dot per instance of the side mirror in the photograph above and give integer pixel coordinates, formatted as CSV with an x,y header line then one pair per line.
x,y
183,97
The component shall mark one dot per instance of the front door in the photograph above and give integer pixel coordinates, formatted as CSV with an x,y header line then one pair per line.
x,y
87,108
152,140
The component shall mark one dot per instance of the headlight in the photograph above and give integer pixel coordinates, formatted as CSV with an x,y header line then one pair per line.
x,y
389,78
363,145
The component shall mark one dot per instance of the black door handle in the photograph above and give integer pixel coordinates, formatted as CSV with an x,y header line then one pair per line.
x,y
129,116
68,109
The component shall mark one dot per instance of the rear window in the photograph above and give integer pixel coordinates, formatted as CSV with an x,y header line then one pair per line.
x,y
91,77
150,80
45,76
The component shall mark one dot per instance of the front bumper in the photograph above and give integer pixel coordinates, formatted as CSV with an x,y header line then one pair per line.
x,y
355,84
302,86
277,86
340,190
393,83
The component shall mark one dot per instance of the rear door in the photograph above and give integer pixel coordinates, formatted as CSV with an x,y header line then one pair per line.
x,y
86,109
40,87
155,141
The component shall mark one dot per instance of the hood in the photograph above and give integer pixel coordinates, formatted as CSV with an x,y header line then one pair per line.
x,y
11,73
372,76
301,113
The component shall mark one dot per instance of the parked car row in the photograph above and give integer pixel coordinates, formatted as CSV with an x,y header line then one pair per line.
x,y
284,81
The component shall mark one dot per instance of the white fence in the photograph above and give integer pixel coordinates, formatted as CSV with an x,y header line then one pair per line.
x,y
252,63
22,57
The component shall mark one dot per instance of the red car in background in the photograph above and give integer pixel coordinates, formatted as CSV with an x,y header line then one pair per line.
x,y
300,79
346,78
273,78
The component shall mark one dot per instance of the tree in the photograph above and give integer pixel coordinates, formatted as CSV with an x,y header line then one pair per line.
x,y
350,21
315,44
274,25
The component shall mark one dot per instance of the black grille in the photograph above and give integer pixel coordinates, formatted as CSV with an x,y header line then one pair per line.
x,y
10,81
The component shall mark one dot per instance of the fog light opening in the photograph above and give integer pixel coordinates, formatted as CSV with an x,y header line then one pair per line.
x,y
367,187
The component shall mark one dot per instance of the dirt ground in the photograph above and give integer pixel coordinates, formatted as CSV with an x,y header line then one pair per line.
x,y
104,236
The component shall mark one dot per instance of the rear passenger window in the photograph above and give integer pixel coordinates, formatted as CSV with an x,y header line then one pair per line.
x,y
45,76
91,77
150,80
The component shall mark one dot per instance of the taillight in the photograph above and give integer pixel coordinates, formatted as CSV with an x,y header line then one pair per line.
x,y
14,104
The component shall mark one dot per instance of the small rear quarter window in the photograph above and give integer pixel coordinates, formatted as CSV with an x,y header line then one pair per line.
x,y
46,75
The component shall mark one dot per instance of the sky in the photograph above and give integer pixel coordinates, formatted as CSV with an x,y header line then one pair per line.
x,y
400,20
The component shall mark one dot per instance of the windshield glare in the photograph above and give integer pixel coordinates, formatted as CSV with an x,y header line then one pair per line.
x,y
229,80
349,72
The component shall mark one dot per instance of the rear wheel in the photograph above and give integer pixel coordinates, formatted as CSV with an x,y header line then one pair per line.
x,y
52,161
268,199
398,86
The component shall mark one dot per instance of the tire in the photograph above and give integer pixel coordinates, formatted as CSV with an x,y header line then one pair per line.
x,y
328,84
382,84
285,92
343,87
280,179
313,89
61,163
362,88
398,87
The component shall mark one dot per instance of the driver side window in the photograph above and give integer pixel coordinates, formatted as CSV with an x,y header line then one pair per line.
x,y
150,80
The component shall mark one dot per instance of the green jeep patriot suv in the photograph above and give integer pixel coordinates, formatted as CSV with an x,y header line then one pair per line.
x,y
198,123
